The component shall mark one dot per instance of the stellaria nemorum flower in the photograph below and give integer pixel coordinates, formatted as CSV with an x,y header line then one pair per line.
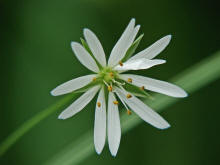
x,y
110,82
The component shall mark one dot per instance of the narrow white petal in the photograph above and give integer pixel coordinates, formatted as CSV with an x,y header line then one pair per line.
x,y
114,128
100,122
134,34
156,85
84,57
138,64
142,110
125,41
95,46
79,104
72,85
154,49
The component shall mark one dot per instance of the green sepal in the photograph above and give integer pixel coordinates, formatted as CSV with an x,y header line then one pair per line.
x,y
86,46
132,48
137,91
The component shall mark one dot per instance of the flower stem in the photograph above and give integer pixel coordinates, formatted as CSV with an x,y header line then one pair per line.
x,y
29,124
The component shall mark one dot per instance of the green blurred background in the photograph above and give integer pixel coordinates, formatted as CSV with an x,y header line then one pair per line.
x,y
36,57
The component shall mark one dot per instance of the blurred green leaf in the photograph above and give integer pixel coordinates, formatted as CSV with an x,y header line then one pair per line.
x,y
191,80
29,124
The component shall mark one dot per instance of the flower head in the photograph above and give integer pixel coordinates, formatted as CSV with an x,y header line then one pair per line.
x,y
108,80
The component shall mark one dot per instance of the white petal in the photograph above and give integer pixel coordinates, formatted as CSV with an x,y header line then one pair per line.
x,y
142,110
79,104
134,34
100,123
125,41
84,57
72,85
139,64
154,49
95,46
114,128
156,85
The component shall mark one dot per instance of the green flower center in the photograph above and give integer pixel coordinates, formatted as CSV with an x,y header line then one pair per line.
x,y
108,74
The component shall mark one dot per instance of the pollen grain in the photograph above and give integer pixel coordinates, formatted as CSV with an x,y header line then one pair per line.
x,y
120,63
142,88
94,79
110,88
111,74
115,102
129,80
128,112
98,104
128,96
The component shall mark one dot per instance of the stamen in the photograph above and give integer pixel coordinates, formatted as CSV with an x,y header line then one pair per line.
x,y
142,88
115,102
98,104
122,88
94,79
118,82
111,74
120,63
105,83
110,88
128,96
129,80
128,112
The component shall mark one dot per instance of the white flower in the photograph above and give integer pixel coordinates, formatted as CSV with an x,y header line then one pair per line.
x,y
109,81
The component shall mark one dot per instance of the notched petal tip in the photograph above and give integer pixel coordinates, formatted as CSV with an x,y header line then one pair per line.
x,y
167,39
61,117
169,36
86,30
98,151
114,154
159,61
165,126
53,93
182,94
73,43
132,20
138,27
56,92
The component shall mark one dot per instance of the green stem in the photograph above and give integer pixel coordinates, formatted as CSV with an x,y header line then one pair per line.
x,y
191,80
26,126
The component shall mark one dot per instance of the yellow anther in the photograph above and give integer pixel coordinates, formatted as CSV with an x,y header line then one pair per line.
x,y
110,88
94,79
120,63
142,88
115,102
128,96
128,112
98,104
129,80
111,74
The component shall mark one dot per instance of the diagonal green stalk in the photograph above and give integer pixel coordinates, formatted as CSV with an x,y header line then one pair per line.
x,y
29,124
191,80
